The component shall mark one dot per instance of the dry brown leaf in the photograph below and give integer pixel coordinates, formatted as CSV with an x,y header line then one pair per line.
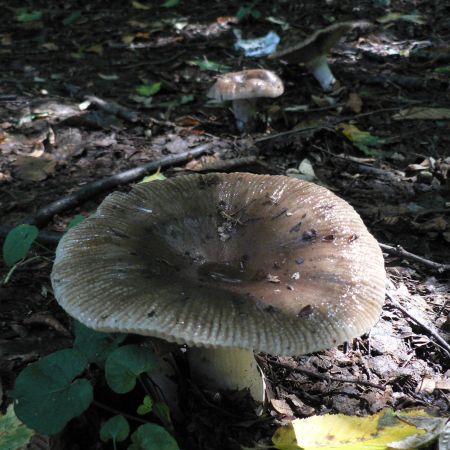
x,y
34,169
282,407
354,102
418,112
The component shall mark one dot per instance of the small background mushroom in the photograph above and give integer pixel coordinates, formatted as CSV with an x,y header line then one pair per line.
x,y
243,89
313,51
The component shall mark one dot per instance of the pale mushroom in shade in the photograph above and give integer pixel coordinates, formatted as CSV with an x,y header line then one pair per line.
x,y
313,51
230,262
243,89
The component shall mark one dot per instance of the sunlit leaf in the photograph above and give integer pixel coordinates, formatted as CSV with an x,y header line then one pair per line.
x,y
157,176
18,242
147,90
340,432
115,429
362,140
13,433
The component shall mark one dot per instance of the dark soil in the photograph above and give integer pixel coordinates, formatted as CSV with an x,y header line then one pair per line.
x,y
49,147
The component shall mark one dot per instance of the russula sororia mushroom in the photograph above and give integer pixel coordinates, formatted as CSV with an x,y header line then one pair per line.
x,y
243,89
313,51
224,261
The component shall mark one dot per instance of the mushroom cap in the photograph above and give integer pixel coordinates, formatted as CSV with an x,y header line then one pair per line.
x,y
259,262
318,44
246,84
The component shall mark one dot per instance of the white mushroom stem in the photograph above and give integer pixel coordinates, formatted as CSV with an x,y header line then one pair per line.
x,y
243,110
226,369
322,72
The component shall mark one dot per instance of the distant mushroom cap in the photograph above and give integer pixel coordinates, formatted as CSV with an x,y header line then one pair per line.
x,y
259,262
254,83
318,44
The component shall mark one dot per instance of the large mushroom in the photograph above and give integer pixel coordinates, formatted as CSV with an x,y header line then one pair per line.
x,y
313,51
227,263
243,89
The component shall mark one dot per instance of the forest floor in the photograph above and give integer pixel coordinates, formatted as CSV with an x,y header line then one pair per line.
x,y
380,140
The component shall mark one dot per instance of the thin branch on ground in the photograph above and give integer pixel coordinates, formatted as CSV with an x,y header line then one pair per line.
x,y
45,214
113,108
325,377
228,164
402,253
329,124
443,344
117,412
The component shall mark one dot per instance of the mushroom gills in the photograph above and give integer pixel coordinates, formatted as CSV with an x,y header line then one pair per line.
x,y
226,369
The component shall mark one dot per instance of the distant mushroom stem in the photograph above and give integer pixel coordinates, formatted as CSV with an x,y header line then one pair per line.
x,y
322,73
243,110
226,368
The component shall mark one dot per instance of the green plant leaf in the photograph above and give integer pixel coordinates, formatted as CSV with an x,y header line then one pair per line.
x,y
24,16
125,364
146,406
75,221
150,437
116,429
18,242
13,433
95,345
72,18
162,412
170,3
204,64
45,395
147,90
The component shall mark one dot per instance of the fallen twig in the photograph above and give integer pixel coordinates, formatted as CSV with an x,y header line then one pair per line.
x,y
401,252
113,108
325,377
227,164
329,124
45,214
442,343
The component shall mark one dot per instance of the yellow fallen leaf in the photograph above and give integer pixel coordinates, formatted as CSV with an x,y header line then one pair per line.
x,y
157,176
340,432
362,140
97,49
139,5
